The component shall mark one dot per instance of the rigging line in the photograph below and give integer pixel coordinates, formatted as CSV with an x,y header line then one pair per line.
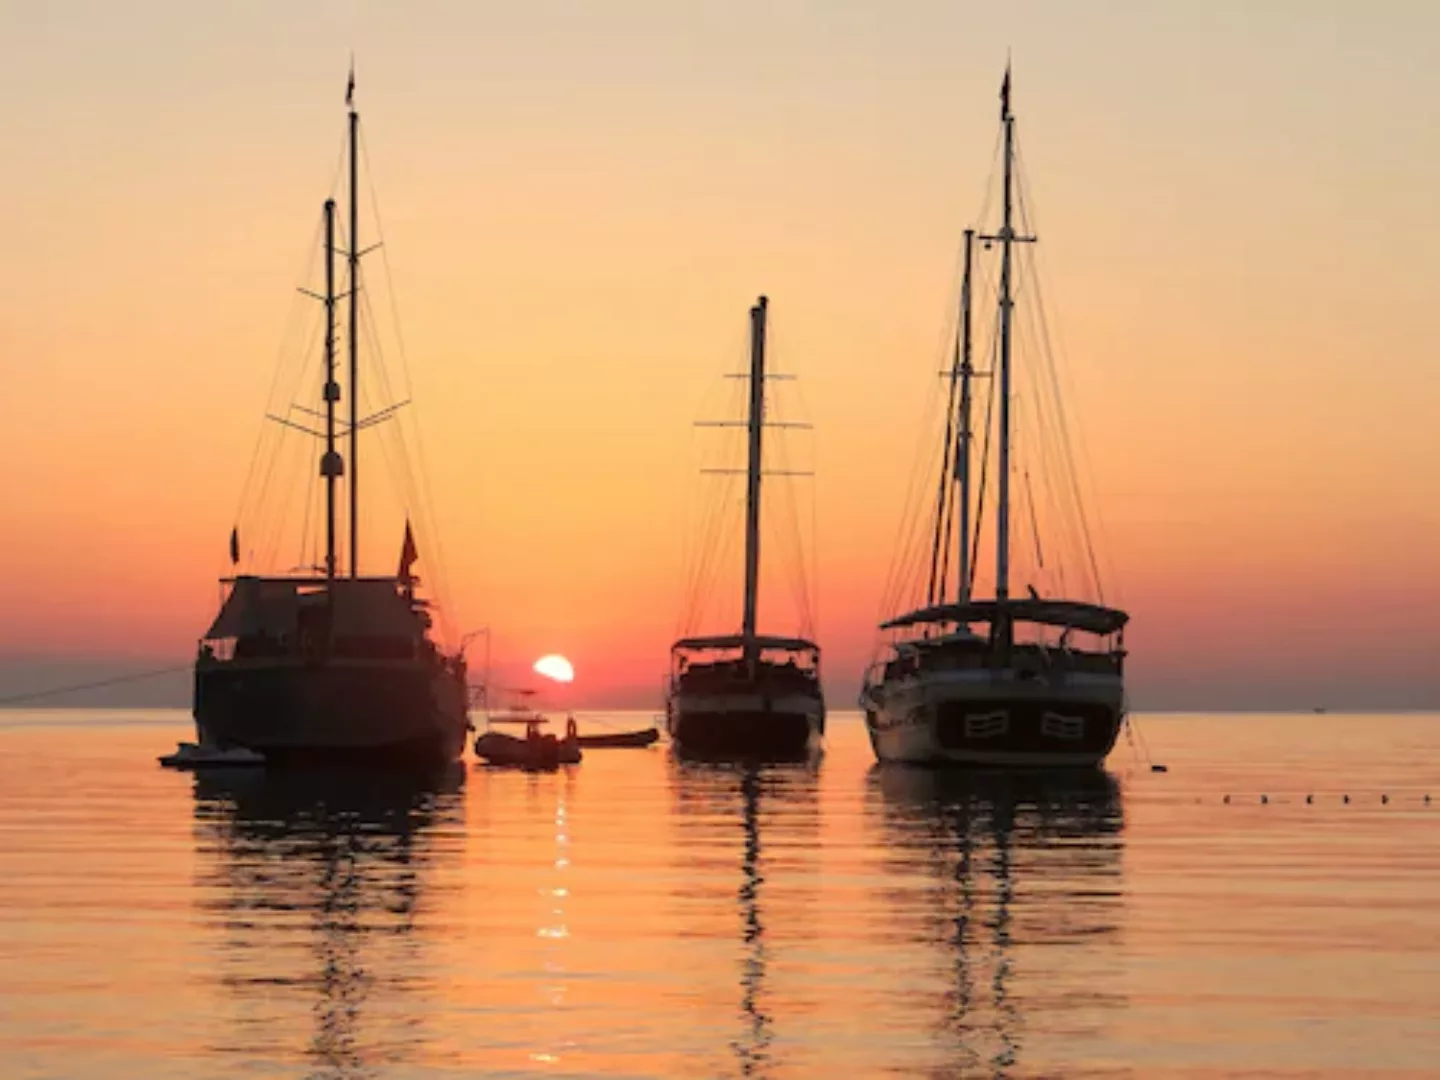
x,y
296,306
788,523
708,509
385,258
309,501
689,530
1034,522
272,548
1055,461
807,415
1084,450
97,684
256,498
441,565
725,549
988,191
395,449
719,505
1030,410
988,299
1072,472
985,457
911,526
280,367
423,492
711,511
717,528
908,530
716,538
815,555
790,498
947,458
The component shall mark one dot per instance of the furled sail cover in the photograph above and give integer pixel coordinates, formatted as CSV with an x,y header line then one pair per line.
x,y
256,606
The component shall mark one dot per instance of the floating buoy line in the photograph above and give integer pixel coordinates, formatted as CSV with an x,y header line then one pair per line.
x,y
1345,800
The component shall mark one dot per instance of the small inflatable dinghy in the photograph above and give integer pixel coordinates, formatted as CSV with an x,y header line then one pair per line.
x,y
620,740
536,752
198,756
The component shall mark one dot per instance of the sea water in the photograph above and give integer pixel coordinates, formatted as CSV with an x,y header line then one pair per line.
x,y
1267,907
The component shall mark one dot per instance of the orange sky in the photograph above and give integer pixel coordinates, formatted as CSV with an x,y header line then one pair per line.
x,y
1239,229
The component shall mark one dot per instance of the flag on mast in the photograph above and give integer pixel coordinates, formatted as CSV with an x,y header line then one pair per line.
x,y
350,86
408,554
1005,95
235,545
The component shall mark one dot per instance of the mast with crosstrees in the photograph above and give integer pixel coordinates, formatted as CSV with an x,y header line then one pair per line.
x,y
1007,303
752,476
332,466
1007,239
748,694
354,259
962,449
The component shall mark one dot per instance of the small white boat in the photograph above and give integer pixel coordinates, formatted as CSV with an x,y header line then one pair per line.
x,y
199,756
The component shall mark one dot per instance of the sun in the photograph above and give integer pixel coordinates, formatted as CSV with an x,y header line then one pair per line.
x,y
554,666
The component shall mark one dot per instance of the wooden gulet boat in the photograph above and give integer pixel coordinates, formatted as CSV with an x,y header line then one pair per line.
x,y
329,665
747,695
998,681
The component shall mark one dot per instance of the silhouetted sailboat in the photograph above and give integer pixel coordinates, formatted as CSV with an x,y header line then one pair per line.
x,y
1022,691
747,694
328,666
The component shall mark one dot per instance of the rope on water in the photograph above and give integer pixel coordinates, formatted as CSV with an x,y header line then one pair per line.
x,y
97,684
1132,733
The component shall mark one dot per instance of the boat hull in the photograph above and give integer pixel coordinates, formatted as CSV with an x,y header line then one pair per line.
x,y
620,740
745,726
392,713
994,721
545,753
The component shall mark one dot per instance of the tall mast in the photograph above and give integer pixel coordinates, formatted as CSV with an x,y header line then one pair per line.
x,y
1007,239
962,448
332,467
939,567
752,474
354,380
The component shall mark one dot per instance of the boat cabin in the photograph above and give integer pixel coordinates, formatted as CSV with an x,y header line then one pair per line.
x,y
716,664
1040,634
370,618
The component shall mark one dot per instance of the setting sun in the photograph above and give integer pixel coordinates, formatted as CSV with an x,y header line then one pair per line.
x,y
554,666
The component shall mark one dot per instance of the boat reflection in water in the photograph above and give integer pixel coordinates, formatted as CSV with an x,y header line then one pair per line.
x,y
713,802
1014,881
314,882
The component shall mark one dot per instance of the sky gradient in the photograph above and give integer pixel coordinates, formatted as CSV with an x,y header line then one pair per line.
x,y
580,203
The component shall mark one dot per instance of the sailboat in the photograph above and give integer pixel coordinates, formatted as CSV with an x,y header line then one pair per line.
x,y
995,680
332,665
747,695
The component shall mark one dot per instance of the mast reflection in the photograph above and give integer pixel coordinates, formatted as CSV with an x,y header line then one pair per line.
x,y
1014,860
716,797
316,880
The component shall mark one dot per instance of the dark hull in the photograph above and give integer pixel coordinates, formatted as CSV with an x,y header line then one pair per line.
x,y
1033,731
546,753
393,715
758,735
620,740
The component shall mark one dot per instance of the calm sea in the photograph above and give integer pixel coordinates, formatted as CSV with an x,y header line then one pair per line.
x,y
638,917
